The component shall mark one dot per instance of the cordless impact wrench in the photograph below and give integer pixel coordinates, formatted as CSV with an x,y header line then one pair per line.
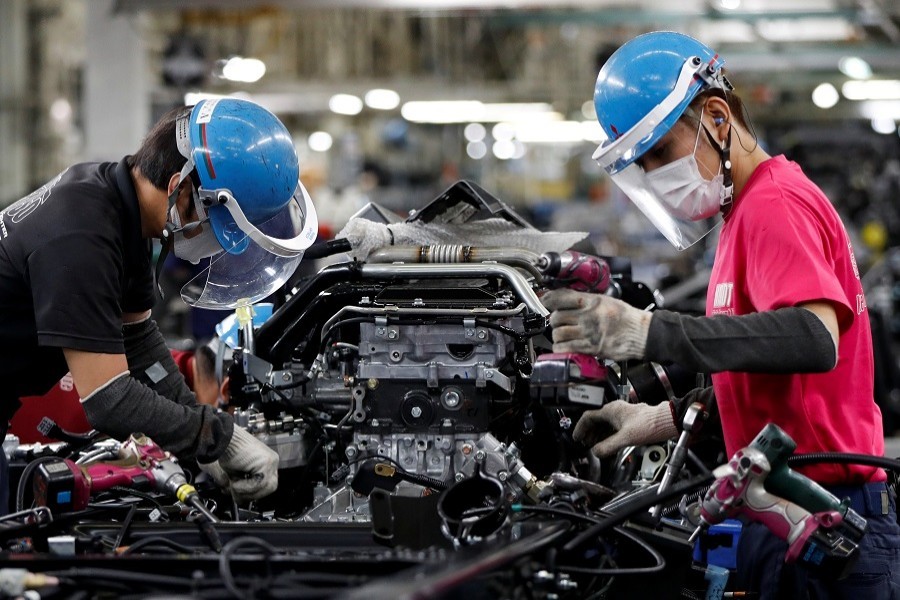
x,y
794,487
815,540
64,486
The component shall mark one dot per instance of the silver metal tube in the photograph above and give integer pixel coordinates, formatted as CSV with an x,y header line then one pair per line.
x,y
457,253
515,279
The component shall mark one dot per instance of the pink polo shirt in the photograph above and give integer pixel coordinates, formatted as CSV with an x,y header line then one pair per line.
x,y
782,245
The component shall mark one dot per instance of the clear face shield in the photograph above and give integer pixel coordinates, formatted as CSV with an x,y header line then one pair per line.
x,y
675,192
253,260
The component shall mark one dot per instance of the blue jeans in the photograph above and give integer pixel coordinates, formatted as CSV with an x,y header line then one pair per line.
x,y
875,576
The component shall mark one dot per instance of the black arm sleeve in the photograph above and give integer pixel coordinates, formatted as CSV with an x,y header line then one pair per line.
x,y
787,340
124,406
151,363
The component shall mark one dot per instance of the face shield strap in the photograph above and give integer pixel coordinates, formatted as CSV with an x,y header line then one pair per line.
x,y
725,156
279,247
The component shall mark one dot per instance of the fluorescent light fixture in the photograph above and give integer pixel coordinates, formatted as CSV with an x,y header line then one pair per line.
x,y
192,98
319,141
805,30
880,109
474,132
730,4
825,95
382,99
476,150
884,125
855,67
468,111
345,104
873,89
559,132
245,70
518,111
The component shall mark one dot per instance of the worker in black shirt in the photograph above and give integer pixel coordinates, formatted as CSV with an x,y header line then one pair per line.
x,y
218,180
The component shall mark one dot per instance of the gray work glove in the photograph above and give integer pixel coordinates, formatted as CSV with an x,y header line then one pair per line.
x,y
630,425
596,324
248,468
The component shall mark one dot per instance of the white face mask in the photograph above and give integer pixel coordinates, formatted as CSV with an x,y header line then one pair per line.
x,y
681,187
192,249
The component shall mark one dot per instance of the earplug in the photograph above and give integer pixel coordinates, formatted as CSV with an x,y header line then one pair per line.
x,y
719,120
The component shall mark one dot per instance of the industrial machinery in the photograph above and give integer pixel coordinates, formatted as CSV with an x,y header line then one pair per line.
x,y
423,428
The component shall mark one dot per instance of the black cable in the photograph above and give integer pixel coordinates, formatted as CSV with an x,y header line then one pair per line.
x,y
92,574
157,540
660,561
638,507
126,525
659,566
142,495
225,557
891,464
704,470
26,475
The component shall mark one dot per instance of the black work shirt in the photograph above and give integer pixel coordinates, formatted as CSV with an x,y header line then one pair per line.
x,y
72,260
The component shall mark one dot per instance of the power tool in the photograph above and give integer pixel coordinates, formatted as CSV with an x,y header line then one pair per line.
x,y
777,446
815,540
64,486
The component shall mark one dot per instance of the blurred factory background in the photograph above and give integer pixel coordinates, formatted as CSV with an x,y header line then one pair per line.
x,y
392,100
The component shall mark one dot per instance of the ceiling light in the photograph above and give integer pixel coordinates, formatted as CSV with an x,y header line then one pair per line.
x,y
474,132
806,30
468,111
245,70
884,125
588,110
561,132
476,150
319,141
730,4
503,131
504,149
855,67
873,89
382,99
345,104
880,109
825,95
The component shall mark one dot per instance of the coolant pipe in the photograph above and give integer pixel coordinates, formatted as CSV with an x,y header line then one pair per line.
x,y
515,279
457,253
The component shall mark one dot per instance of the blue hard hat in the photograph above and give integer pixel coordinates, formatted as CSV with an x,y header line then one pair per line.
x,y
239,146
246,178
640,76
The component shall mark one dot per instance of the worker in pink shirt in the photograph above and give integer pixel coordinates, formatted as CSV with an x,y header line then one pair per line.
x,y
786,338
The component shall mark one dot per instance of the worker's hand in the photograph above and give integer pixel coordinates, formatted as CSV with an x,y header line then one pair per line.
x,y
596,324
248,468
620,424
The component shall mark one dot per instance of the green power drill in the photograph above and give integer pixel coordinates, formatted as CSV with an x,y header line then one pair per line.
x,y
799,489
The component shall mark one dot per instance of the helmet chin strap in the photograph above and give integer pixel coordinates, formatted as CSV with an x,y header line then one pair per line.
x,y
167,238
167,235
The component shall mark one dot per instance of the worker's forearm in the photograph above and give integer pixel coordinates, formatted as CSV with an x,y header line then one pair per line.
x,y
151,363
787,340
124,406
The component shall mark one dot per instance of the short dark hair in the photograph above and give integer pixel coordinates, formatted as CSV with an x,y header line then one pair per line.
x,y
205,360
158,156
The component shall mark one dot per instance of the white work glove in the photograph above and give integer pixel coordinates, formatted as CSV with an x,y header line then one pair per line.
x,y
596,324
631,425
248,468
